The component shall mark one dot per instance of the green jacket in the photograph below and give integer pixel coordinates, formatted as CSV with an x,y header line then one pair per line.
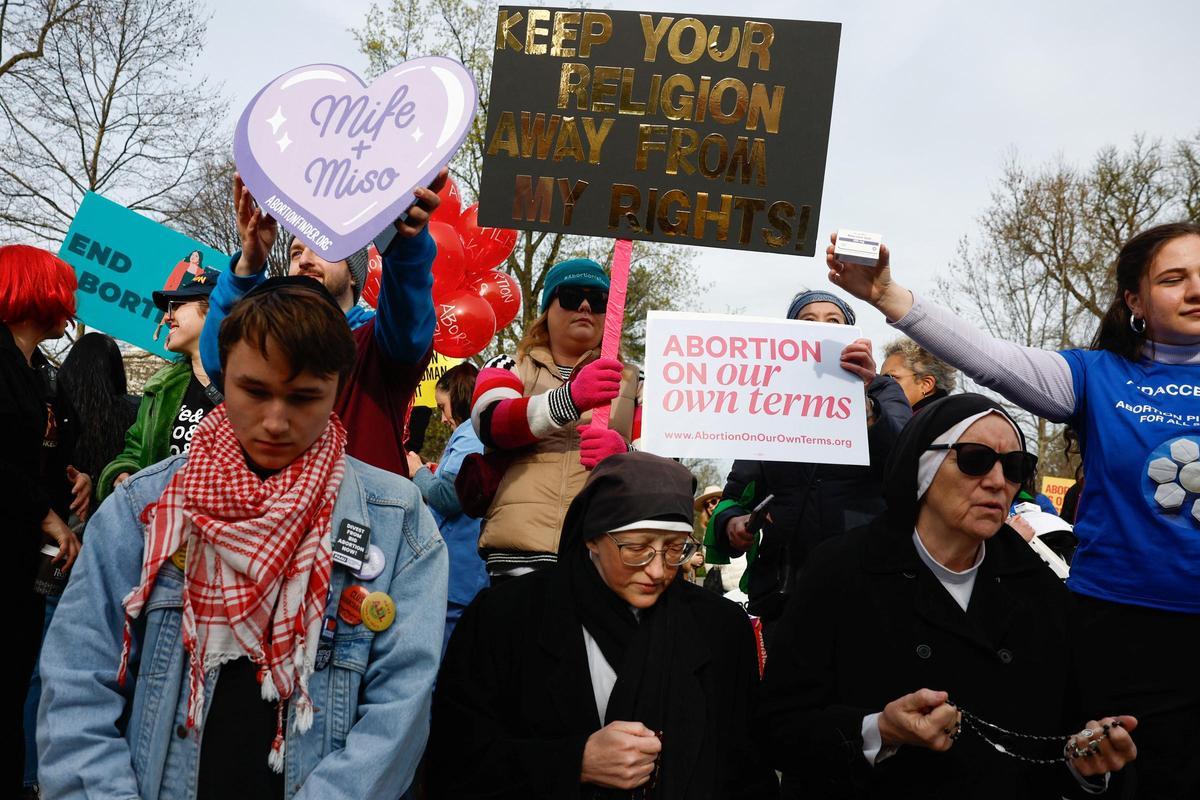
x,y
149,439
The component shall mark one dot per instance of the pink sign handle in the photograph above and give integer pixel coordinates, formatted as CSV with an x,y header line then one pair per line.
x,y
614,318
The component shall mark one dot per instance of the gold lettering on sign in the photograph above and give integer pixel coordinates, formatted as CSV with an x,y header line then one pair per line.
x,y
775,215
529,203
567,86
715,52
597,28
748,206
716,102
802,226
569,143
678,150
504,26
699,40
682,110
627,104
674,224
505,137
561,34
653,34
604,84
596,137
760,46
532,31
570,195
645,144
624,202
722,155
703,215
770,111
534,131
752,164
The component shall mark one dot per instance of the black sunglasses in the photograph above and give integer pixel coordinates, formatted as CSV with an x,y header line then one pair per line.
x,y
572,297
978,459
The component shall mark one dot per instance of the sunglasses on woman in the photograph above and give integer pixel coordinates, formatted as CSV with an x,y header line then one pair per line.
x,y
976,459
572,297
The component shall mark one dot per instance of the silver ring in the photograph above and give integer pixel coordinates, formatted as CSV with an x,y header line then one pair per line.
x,y
1086,733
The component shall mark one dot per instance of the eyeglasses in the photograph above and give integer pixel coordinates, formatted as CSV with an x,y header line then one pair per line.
x,y
978,459
635,554
572,297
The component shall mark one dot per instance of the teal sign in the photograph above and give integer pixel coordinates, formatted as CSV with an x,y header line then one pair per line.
x,y
121,258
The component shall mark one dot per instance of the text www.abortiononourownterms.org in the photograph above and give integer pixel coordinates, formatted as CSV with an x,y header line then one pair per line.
x,y
725,436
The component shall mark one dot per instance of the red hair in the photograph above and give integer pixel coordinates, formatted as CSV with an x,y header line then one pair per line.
x,y
35,286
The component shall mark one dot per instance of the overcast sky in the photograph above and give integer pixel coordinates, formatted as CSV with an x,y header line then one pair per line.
x,y
930,98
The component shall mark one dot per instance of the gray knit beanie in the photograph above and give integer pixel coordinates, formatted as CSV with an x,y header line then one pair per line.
x,y
358,262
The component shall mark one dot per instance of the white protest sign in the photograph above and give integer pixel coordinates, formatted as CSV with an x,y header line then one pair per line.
x,y
722,386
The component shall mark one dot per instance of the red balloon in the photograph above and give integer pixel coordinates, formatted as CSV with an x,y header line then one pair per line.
x,y
449,271
465,325
502,292
370,291
485,248
450,208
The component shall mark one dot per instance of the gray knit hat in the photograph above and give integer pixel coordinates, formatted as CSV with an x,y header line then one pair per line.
x,y
805,297
358,262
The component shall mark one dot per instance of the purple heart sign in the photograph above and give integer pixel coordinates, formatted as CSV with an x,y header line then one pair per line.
x,y
335,161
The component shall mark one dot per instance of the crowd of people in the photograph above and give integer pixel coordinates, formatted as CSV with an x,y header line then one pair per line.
x,y
244,583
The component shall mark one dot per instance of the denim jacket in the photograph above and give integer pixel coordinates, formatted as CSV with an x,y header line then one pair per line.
x,y
99,739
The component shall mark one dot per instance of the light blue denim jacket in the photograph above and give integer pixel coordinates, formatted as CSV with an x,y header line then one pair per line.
x,y
371,720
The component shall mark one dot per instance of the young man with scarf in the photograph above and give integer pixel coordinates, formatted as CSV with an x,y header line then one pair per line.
x,y
603,676
218,638
392,344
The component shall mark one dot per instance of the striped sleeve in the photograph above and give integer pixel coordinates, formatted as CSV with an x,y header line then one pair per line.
x,y
504,419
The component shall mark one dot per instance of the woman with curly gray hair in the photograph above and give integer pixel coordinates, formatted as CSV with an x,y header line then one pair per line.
x,y
923,376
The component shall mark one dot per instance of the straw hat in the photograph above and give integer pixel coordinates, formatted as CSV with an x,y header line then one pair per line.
x,y
710,493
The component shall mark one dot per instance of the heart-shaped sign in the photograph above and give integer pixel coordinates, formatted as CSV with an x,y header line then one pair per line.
x,y
335,161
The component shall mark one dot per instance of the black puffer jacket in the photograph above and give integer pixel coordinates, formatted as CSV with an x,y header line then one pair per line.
x,y
813,502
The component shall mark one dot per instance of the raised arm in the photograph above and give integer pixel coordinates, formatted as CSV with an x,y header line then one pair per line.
x,y
247,269
505,419
1037,380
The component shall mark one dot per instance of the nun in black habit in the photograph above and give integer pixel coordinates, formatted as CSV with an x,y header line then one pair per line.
x,y
604,676
929,653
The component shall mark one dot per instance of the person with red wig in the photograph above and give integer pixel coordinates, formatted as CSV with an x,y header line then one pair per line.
x,y
37,299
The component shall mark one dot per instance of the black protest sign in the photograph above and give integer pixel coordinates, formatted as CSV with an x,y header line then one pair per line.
x,y
700,130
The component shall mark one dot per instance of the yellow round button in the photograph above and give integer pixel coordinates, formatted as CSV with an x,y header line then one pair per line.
x,y
378,611
179,558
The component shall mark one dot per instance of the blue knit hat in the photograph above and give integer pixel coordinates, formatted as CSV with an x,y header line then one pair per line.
x,y
815,296
575,272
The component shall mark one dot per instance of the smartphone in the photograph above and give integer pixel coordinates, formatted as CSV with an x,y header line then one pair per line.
x,y
759,515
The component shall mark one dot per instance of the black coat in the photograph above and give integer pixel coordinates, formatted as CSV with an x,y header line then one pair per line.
x,y
514,706
813,502
25,494
870,623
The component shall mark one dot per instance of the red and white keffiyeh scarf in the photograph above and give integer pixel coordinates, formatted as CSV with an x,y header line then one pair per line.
x,y
258,562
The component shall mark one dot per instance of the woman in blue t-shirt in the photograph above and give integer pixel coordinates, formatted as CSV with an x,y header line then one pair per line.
x,y
1133,397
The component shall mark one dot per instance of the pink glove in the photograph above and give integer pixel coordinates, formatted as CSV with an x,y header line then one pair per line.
x,y
596,384
597,444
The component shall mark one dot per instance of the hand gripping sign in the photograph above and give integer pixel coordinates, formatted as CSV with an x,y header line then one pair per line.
x,y
335,161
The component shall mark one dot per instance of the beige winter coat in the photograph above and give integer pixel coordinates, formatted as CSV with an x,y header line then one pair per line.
x,y
531,501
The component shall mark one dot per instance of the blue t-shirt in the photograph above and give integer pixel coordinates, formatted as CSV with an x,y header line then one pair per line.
x,y
1139,515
